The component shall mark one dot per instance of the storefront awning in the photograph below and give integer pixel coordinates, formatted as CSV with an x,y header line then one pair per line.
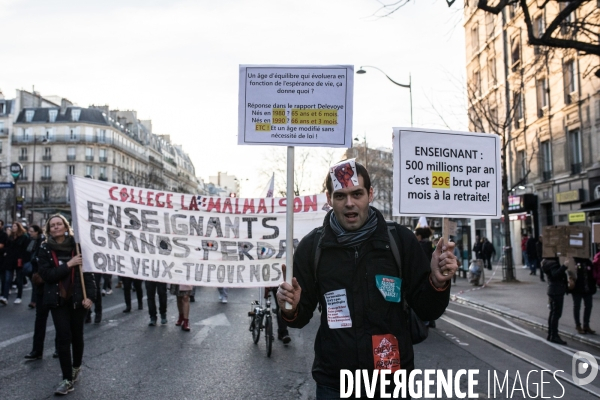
x,y
593,205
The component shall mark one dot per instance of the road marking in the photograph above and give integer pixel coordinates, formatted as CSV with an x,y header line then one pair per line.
x,y
215,320
518,330
525,357
200,336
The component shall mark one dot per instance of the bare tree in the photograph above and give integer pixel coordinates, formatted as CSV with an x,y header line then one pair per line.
x,y
503,115
310,166
571,24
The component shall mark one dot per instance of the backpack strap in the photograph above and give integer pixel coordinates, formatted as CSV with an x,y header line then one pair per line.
x,y
317,250
394,239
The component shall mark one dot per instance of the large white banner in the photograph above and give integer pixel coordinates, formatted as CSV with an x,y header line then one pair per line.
x,y
184,238
446,173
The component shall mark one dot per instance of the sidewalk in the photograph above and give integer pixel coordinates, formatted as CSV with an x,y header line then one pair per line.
x,y
525,300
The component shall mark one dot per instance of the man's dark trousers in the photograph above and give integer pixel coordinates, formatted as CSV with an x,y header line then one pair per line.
x,y
153,288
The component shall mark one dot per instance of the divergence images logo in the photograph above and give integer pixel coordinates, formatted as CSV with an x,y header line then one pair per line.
x,y
583,363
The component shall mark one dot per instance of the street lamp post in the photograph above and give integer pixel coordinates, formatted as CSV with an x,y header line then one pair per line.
x,y
409,86
35,140
365,146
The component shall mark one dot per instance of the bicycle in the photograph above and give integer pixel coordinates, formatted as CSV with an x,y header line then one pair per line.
x,y
260,319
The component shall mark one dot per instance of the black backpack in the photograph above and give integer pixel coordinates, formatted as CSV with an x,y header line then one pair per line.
x,y
418,330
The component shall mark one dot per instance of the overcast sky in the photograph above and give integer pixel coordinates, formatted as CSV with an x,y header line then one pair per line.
x,y
177,62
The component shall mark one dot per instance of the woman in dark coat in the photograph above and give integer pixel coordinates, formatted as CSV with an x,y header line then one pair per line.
x,y
557,287
15,258
59,266
585,287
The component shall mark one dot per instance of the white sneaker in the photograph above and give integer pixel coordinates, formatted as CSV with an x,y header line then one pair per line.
x,y
224,300
17,301
220,298
103,292
3,300
109,291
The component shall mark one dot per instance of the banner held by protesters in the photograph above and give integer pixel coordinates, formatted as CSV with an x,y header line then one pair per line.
x,y
184,238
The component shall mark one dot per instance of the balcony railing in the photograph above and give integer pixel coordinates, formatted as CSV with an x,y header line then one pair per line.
x,y
22,158
82,138
89,158
23,178
46,178
4,131
103,159
47,157
103,178
576,168
71,157
546,175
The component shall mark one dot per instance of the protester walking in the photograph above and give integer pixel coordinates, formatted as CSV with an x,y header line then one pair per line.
x,y
183,293
3,243
524,257
37,237
160,289
282,328
222,294
585,288
127,285
41,312
557,288
532,256
14,259
539,250
477,248
65,290
596,268
360,256
487,251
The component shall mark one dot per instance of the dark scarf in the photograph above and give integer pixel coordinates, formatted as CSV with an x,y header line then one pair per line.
x,y
67,245
65,286
354,238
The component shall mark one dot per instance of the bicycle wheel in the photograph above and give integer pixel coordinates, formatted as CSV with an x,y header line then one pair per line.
x,y
269,335
255,327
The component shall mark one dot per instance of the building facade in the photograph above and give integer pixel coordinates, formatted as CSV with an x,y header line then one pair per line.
x,y
545,103
52,138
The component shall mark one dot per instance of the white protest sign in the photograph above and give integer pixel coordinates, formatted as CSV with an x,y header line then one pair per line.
x,y
296,105
446,174
184,238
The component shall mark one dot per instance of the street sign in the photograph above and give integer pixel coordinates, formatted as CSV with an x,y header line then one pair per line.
x,y
15,170
7,185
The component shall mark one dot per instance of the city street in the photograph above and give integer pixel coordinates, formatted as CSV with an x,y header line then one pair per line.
x,y
124,358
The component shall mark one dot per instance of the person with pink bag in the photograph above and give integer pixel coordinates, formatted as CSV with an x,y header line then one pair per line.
x,y
183,293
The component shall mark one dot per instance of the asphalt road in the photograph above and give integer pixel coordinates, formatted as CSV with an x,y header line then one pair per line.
x,y
126,359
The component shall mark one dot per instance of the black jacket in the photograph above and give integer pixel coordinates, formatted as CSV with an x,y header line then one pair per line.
x,y
488,249
477,250
585,284
16,249
427,247
32,249
557,277
531,248
354,270
52,275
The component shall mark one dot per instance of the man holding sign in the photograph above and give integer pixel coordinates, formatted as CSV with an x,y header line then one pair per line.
x,y
359,285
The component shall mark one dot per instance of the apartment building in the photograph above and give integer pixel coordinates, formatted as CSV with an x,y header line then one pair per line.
x,y
546,104
53,138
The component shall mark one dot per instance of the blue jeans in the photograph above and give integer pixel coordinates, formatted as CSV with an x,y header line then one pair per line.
x,y
8,278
